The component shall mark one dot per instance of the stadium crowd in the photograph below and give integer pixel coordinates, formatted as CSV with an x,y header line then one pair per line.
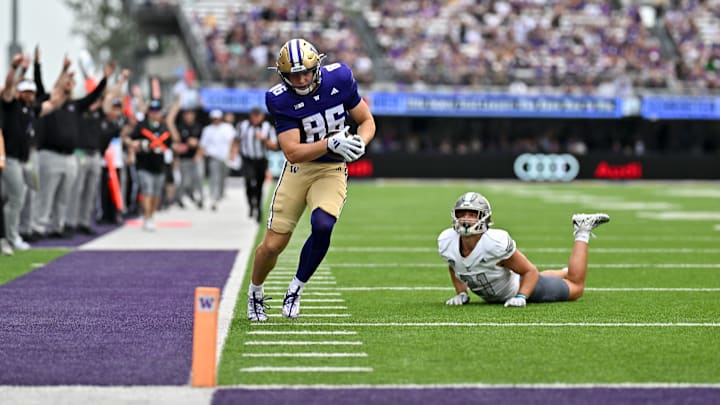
x,y
597,47
67,164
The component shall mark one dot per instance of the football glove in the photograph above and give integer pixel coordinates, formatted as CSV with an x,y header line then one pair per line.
x,y
516,301
460,299
350,148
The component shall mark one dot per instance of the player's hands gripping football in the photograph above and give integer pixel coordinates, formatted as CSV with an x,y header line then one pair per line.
x,y
460,299
349,147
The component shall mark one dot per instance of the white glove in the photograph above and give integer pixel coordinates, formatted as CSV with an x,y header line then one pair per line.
x,y
460,299
350,148
516,301
360,142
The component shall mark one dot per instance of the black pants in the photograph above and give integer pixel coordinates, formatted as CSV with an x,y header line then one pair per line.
x,y
254,173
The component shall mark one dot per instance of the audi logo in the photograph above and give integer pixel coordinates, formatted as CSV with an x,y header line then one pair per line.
x,y
546,167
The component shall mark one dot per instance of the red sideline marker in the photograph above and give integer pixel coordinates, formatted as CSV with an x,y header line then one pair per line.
x,y
207,300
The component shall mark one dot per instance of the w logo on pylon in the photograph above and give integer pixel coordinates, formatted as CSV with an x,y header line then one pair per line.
x,y
206,303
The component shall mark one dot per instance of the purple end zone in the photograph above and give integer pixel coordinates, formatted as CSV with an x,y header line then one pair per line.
x,y
106,317
432,396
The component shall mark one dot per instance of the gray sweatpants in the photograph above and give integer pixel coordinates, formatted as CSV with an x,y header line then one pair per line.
x,y
29,212
84,190
14,189
56,173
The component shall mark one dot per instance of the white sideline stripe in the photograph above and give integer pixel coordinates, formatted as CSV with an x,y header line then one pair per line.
x,y
309,354
381,249
230,294
557,386
543,265
315,277
300,332
307,369
315,315
506,324
449,288
302,343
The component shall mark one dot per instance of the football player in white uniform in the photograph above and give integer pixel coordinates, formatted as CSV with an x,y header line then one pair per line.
x,y
487,262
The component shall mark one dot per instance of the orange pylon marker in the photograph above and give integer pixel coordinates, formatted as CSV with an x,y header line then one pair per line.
x,y
205,324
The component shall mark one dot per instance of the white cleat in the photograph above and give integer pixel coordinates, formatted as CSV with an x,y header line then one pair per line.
x,y
291,303
5,248
256,308
588,222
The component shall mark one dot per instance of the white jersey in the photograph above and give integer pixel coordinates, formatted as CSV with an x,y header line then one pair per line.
x,y
479,270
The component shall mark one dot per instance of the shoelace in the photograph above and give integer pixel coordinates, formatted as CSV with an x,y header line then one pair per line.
x,y
260,305
291,297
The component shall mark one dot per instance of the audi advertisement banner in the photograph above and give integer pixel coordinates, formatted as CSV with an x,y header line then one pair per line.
x,y
538,167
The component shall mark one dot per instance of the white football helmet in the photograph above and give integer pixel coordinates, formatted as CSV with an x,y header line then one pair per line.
x,y
296,56
472,201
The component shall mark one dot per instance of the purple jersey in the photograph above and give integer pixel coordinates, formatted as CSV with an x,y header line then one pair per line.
x,y
317,113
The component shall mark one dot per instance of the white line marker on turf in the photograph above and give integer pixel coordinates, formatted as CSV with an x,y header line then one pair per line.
x,y
273,290
324,307
309,354
506,324
323,300
307,369
302,343
314,315
300,332
313,283
447,288
543,265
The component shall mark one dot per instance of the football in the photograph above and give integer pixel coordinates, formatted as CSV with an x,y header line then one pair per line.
x,y
336,132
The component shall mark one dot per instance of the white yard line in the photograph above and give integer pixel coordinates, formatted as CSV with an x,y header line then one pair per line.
x,y
558,386
269,283
308,354
301,332
314,315
307,369
386,249
302,343
506,324
395,265
447,288
322,299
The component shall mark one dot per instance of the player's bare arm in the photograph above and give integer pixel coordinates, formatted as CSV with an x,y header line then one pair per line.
x,y
528,272
296,152
366,123
459,285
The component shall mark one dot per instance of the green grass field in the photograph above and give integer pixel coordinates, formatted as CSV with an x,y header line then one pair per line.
x,y
20,263
374,312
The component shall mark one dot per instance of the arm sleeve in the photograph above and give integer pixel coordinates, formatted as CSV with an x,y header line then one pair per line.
x,y
85,102
500,245
40,95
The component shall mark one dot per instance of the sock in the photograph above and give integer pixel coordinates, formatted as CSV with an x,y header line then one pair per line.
x,y
583,236
317,244
296,285
257,289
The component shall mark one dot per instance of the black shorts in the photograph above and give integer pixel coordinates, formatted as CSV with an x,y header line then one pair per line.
x,y
550,289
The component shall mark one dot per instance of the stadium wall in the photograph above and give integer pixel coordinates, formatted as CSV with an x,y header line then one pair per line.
x,y
503,166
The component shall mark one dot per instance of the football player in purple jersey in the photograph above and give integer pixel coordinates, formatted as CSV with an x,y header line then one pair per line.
x,y
310,107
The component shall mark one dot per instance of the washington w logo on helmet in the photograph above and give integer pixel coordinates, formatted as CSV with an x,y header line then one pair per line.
x,y
297,57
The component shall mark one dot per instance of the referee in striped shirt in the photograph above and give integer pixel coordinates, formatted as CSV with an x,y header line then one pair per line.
x,y
255,136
